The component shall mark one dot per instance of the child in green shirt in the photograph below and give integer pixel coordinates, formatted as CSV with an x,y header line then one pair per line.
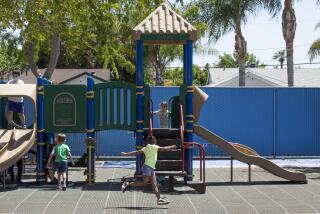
x,y
61,152
151,155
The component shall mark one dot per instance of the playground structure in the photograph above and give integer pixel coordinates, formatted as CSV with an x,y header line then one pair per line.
x,y
126,106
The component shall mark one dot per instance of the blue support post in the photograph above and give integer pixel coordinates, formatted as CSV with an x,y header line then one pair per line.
x,y
185,64
90,131
139,102
189,110
41,141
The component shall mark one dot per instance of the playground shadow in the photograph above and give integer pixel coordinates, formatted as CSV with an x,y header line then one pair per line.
x,y
118,209
313,173
246,183
180,188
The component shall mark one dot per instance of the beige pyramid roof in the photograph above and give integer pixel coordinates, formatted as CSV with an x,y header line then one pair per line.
x,y
164,26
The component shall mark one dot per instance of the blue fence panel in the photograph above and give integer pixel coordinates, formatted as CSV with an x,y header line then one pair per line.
x,y
76,142
113,142
298,122
241,115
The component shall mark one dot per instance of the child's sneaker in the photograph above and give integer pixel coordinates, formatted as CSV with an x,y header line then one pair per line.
x,y
64,188
124,186
59,188
162,201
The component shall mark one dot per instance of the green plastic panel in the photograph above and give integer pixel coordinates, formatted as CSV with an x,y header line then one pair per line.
x,y
65,108
115,106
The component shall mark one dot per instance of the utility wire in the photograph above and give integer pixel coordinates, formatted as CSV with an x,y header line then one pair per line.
x,y
265,65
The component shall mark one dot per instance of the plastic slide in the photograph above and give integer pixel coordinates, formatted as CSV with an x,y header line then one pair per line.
x,y
247,155
17,142
238,151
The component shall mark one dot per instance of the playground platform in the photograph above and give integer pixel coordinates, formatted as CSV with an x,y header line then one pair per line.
x,y
266,194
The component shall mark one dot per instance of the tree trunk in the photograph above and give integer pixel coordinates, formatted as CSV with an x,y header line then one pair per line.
x,y
289,26
281,64
54,55
241,51
158,65
159,75
32,63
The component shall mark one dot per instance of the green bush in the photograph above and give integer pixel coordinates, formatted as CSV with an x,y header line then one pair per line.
x,y
174,77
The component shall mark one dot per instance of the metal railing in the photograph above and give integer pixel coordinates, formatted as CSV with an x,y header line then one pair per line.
x,y
186,145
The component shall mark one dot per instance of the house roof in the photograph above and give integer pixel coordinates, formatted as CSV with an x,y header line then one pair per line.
x,y
303,77
82,74
165,22
63,75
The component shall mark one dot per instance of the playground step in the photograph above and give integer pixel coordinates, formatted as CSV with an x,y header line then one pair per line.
x,y
171,173
169,165
169,142
170,155
161,133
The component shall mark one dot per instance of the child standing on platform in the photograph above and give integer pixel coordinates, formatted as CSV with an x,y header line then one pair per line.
x,y
163,115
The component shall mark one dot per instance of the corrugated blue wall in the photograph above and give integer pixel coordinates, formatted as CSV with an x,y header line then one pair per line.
x,y
273,121
239,115
297,122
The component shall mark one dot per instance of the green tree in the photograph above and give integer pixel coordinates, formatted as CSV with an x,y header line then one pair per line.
x,y
314,50
11,57
226,61
90,33
232,61
174,77
280,56
223,16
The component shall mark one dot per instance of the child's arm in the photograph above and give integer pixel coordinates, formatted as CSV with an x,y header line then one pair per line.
x,y
167,148
49,159
70,157
132,153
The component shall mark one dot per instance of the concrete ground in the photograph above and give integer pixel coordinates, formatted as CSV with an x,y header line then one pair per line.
x,y
266,194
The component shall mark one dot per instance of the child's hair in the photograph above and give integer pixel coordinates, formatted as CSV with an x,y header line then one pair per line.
x,y
151,140
61,137
163,104
16,73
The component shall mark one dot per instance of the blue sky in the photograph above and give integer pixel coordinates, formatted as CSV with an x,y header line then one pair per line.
x,y
264,36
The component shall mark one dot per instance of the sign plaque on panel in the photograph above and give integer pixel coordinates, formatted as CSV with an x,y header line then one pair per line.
x,y
64,110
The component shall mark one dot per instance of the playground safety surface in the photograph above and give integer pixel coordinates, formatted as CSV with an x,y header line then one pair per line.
x,y
266,194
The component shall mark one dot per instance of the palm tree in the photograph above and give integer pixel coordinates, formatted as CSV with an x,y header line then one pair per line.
x,y
223,16
314,50
289,25
280,56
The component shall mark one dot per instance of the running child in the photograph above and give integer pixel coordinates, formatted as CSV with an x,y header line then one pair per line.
x,y
61,152
151,155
